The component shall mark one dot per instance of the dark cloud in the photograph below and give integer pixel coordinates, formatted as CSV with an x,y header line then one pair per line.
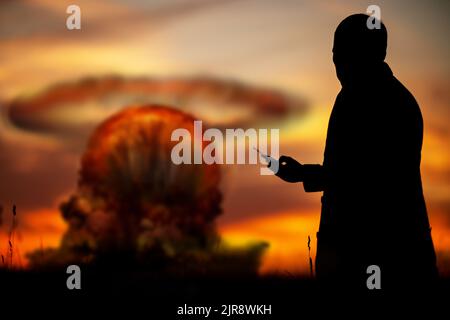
x,y
33,176
21,19
24,18
72,110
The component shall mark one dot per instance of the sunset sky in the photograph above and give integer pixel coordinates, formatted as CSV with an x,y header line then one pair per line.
x,y
284,45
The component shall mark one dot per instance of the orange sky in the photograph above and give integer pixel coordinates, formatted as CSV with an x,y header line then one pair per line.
x,y
284,45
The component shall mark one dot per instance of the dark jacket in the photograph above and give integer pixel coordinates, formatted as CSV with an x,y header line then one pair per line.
x,y
373,209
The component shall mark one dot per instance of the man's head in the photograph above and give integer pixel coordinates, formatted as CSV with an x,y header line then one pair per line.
x,y
357,48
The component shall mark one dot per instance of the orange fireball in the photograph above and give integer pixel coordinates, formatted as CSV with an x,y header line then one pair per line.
x,y
132,198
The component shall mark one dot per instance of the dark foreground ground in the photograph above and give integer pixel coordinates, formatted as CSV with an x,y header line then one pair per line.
x,y
143,295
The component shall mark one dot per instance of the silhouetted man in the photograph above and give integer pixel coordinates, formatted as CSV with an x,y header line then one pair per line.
x,y
373,209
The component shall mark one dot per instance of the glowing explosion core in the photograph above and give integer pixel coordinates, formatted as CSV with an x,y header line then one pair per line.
x,y
131,198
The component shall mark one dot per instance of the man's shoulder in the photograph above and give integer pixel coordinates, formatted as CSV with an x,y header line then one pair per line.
x,y
401,92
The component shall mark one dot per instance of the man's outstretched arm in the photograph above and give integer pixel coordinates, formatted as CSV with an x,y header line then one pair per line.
x,y
312,175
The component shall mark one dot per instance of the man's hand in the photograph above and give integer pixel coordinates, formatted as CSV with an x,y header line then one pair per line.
x,y
290,170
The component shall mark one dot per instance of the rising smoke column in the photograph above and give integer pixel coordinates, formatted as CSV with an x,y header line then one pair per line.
x,y
132,198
